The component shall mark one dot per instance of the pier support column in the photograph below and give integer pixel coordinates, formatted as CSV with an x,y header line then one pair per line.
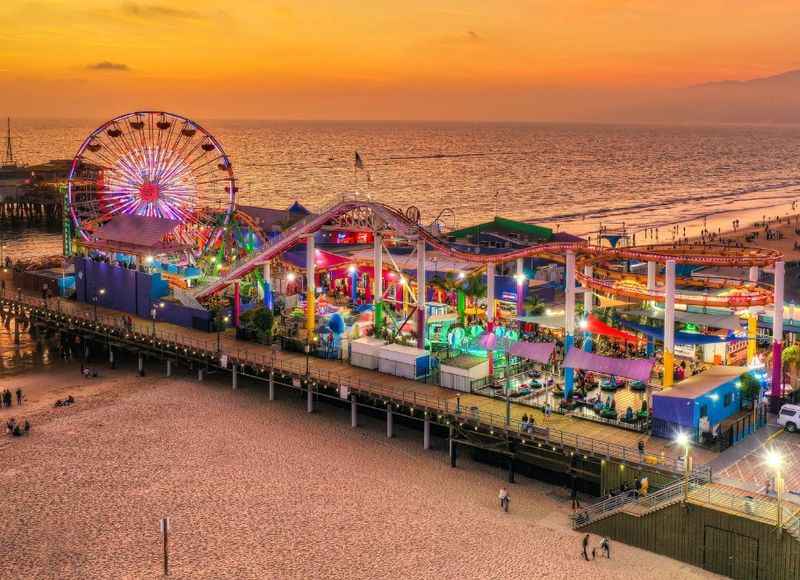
x,y
453,451
200,375
311,286
669,324
271,385
569,321
237,304
169,367
520,279
234,377
777,330
111,360
389,422
588,306
421,294
511,470
426,433
309,399
141,365
267,285
353,412
377,282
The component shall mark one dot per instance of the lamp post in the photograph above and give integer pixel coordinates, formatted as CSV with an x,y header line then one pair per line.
x,y
219,331
96,299
683,440
774,461
154,314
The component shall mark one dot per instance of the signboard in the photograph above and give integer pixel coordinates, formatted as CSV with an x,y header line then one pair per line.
x,y
344,392
223,361
295,382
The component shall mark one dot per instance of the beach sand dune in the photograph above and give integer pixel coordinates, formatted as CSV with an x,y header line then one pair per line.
x,y
259,489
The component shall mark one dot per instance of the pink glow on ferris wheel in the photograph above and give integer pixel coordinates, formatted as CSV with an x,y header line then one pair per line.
x,y
153,164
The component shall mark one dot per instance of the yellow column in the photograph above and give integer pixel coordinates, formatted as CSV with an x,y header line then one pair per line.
x,y
311,322
752,332
669,364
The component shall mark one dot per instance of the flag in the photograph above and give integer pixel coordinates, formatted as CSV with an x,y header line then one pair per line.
x,y
359,161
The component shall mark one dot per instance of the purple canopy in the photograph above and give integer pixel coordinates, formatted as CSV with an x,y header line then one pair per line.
x,y
637,369
537,351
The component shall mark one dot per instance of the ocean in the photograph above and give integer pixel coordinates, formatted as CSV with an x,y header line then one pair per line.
x,y
575,177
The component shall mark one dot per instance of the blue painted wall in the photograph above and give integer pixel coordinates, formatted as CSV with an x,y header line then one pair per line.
x,y
132,292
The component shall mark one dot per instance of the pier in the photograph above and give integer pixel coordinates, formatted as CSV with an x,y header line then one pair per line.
x,y
600,456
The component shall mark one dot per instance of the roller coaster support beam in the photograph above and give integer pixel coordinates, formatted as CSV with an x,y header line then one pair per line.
x,y
777,330
752,323
520,278
311,322
588,306
490,301
377,277
237,303
421,297
569,321
267,285
669,324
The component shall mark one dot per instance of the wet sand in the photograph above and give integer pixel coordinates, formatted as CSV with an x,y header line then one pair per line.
x,y
259,489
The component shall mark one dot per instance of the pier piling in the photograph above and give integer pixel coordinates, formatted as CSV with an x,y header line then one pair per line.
x,y
353,412
310,400
389,423
426,433
452,449
141,364
271,385
234,377
200,374
111,361
169,368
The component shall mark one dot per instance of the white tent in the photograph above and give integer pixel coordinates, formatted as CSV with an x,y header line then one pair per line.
x,y
404,361
460,372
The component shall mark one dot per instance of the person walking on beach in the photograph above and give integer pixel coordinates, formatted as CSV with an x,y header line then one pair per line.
x,y
585,544
19,396
503,496
605,545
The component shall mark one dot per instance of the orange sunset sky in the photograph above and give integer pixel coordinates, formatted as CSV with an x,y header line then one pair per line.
x,y
379,59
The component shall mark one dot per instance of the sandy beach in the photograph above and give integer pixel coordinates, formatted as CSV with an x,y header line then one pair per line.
x,y
259,489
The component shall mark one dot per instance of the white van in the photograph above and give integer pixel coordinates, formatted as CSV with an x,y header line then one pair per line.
x,y
789,417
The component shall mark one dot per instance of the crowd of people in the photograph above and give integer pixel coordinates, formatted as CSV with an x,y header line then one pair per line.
x,y
16,429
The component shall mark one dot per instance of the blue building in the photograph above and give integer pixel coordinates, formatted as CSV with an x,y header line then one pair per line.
x,y
707,406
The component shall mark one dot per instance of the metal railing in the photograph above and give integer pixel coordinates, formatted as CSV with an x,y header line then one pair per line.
x,y
142,332
644,504
756,507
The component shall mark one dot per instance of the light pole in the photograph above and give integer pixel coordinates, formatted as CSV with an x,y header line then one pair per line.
x,y
154,314
683,440
95,300
774,461
219,331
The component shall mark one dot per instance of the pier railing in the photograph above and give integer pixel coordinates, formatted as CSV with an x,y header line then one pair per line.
x,y
113,327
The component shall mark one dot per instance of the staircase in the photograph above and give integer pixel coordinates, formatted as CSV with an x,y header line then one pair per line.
x,y
187,299
638,506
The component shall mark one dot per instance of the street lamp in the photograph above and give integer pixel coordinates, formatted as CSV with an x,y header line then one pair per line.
x,y
219,331
774,461
683,440
154,313
95,300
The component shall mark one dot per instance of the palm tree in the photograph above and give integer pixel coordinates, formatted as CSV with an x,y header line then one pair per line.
x,y
452,284
474,287
533,306
791,357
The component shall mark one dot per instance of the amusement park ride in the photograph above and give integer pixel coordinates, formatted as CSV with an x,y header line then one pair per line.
x,y
165,170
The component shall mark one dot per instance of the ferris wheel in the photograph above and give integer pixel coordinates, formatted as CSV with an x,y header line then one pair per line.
x,y
153,164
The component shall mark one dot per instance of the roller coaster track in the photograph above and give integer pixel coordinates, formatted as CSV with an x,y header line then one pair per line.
x,y
405,228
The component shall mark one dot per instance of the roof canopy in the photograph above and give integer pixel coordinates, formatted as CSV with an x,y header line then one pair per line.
x,y
135,234
699,385
535,351
597,326
725,321
688,338
499,224
636,369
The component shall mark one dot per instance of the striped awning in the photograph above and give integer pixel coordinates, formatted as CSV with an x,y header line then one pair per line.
x,y
637,369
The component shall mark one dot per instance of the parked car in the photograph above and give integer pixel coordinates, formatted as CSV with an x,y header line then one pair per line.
x,y
789,417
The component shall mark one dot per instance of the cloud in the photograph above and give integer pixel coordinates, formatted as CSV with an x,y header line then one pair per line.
x,y
107,65
156,11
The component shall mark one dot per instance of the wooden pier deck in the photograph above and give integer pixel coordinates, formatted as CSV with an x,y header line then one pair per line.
x,y
566,431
